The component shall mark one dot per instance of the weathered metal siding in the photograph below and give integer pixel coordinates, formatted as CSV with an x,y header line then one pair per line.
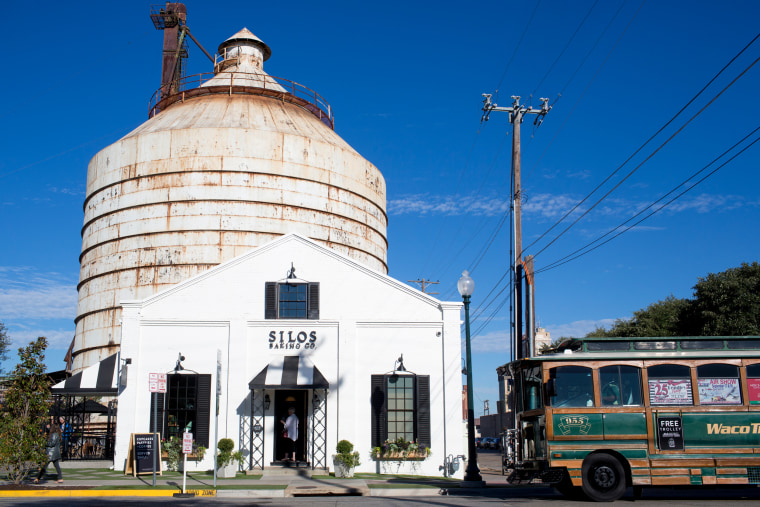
x,y
205,181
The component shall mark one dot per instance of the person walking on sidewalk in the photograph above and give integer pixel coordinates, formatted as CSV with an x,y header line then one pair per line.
x,y
53,450
65,436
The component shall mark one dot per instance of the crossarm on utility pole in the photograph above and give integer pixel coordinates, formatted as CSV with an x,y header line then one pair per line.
x,y
516,115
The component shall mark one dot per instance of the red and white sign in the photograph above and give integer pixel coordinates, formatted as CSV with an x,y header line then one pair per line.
x,y
670,392
187,443
157,382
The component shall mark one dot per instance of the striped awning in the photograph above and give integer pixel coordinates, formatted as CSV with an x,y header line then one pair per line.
x,y
289,372
101,379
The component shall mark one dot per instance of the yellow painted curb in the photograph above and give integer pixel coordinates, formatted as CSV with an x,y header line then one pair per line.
x,y
103,492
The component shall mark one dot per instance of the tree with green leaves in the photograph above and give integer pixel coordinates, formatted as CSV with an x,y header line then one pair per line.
x,y
727,303
25,412
663,318
724,304
5,344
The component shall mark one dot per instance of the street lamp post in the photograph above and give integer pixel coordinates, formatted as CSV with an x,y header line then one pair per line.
x,y
472,474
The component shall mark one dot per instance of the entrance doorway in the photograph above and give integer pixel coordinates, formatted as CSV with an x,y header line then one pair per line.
x,y
283,399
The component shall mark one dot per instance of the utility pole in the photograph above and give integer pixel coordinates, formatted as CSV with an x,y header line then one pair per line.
x,y
516,116
424,283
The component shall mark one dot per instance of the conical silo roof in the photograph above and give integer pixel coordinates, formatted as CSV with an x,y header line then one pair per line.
x,y
246,35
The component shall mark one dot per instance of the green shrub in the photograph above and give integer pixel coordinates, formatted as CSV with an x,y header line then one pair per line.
x,y
345,456
225,455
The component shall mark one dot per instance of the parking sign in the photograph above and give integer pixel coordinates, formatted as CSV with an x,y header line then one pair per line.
x,y
187,443
157,382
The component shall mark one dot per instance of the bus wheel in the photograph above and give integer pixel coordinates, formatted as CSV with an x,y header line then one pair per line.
x,y
603,478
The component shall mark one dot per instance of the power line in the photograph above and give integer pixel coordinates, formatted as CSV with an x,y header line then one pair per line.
x,y
51,157
458,185
572,37
476,230
648,157
577,69
672,119
572,255
517,47
664,126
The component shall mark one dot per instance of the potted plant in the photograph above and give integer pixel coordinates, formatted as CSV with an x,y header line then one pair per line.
x,y
226,460
400,449
346,459
172,452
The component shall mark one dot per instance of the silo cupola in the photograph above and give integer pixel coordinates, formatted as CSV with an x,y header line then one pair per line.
x,y
240,62
244,51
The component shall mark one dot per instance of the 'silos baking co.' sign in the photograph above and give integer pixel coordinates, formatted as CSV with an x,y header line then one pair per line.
x,y
292,340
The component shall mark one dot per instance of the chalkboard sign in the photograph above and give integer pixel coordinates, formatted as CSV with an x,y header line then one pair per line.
x,y
141,454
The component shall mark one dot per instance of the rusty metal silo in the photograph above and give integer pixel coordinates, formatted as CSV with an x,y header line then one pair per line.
x,y
227,162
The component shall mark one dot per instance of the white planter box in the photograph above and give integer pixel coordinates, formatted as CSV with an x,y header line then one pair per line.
x,y
229,471
342,471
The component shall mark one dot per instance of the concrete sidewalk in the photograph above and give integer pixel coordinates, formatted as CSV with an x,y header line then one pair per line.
x,y
82,477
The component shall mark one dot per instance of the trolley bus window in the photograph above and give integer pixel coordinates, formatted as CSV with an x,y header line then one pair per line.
x,y
607,345
670,384
669,345
743,344
621,385
573,386
532,388
718,384
753,383
701,344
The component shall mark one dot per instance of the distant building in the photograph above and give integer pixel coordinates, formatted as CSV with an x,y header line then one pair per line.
x,y
543,339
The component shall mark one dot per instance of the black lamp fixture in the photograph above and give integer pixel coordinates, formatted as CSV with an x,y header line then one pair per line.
x,y
267,402
315,401
400,363
178,366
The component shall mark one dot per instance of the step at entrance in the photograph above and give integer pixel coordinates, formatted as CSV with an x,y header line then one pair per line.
x,y
288,469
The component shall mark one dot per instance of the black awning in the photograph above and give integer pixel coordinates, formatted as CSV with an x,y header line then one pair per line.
x,y
99,379
289,372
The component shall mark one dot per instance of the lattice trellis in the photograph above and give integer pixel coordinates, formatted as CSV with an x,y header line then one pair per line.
x,y
244,435
318,423
256,458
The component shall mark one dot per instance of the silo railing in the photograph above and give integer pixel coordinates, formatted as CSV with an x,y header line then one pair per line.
x,y
241,83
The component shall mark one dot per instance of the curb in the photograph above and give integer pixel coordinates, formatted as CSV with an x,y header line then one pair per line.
x,y
69,493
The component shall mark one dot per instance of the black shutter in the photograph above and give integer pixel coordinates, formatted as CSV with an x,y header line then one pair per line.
x,y
313,312
270,300
379,411
423,410
203,410
160,416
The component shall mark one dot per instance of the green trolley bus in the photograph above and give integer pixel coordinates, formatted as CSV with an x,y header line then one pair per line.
x,y
598,415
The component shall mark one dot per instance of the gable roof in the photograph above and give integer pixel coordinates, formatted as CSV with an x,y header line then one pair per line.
x,y
283,242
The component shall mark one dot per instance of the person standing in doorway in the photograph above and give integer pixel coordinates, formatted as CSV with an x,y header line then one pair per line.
x,y
290,433
53,450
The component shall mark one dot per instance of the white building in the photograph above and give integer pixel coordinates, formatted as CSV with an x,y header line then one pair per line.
x,y
237,229
295,323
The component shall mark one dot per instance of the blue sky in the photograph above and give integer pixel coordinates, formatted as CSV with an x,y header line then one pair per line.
x,y
405,81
